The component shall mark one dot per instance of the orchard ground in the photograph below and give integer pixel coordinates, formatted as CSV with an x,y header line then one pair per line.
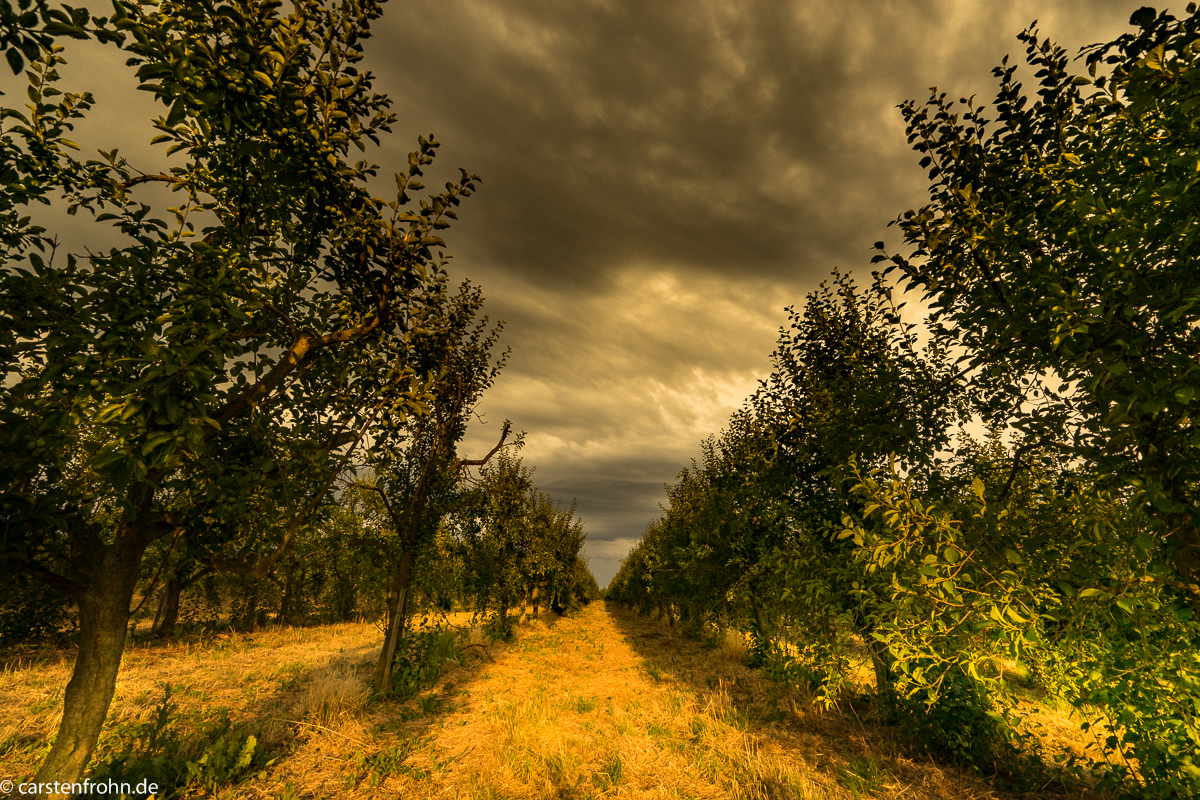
x,y
602,703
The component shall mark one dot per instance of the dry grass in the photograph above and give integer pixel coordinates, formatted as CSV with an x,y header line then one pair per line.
x,y
601,704
256,677
572,710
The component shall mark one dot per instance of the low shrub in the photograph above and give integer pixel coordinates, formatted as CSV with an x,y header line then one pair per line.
x,y
157,751
421,658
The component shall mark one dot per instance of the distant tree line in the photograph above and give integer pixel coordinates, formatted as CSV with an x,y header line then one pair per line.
x,y
250,410
844,505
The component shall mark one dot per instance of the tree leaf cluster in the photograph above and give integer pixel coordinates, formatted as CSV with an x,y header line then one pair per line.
x,y
847,507
181,403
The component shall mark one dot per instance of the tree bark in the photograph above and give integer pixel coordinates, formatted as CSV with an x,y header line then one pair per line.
x,y
397,606
881,660
162,603
760,639
165,628
286,601
104,603
502,597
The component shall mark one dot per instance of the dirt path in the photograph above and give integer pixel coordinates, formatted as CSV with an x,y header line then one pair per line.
x,y
572,710
608,704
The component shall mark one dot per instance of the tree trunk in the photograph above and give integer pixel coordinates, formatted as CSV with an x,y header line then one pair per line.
x,y
172,592
285,602
162,603
397,606
245,617
534,596
881,660
760,639
165,628
502,596
103,625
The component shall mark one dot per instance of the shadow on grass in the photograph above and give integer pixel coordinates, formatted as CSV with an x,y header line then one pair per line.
x,y
244,721
849,743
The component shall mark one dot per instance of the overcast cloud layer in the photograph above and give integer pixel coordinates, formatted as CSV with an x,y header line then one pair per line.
x,y
660,180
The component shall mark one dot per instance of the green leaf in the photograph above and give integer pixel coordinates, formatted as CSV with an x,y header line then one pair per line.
x,y
155,440
178,112
108,413
977,487
106,457
15,62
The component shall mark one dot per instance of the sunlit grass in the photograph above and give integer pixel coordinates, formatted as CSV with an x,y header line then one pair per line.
x,y
600,704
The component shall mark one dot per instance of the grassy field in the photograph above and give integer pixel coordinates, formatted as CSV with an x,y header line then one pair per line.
x,y
599,704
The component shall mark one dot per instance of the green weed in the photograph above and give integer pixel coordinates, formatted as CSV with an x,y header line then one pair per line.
x,y
155,751
421,658
862,777
391,762
659,731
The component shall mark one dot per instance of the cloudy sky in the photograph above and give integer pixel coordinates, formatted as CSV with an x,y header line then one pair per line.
x,y
660,180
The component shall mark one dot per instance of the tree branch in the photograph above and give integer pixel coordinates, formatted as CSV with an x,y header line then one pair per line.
x,y
159,177
479,462
305,342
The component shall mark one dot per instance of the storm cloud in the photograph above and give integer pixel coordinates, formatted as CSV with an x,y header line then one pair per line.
x,y
660,180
